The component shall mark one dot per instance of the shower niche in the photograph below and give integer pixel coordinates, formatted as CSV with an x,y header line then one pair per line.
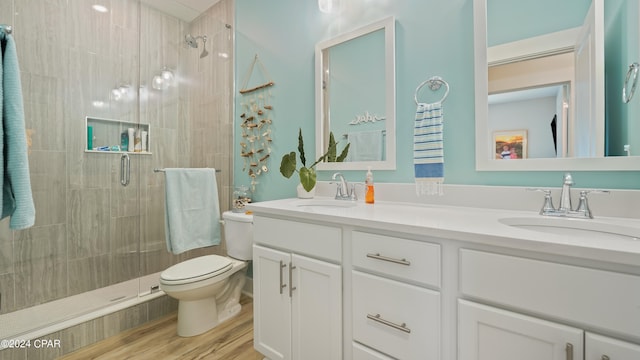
x,y
116,136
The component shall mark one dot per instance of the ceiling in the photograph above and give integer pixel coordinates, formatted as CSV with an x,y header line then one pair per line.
x,y
186,10
527,94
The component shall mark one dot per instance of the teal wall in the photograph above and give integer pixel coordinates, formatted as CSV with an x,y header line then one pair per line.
x,y
621,49
433,37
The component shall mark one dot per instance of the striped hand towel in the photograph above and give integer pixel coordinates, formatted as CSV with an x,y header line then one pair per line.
x,y
428,156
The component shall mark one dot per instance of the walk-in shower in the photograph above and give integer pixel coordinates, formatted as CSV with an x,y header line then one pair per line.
x,y
90,263
192,41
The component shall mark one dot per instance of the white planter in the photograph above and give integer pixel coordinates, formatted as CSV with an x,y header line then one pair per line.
x,y
304,194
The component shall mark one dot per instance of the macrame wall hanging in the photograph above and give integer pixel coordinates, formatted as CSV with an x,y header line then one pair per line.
x,y
255,124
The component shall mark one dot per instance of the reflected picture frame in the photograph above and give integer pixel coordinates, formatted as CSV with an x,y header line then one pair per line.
x,y
510,144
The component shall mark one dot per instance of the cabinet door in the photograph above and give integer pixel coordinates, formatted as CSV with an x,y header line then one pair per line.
x,y
603,348
316,309
271,303
487,333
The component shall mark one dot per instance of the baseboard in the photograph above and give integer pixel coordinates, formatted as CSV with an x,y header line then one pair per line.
x,y
247,289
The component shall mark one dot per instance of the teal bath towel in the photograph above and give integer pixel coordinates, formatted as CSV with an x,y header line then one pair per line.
x,y
17,200
192,212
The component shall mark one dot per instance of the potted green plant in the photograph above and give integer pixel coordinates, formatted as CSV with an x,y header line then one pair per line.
x,y
307,175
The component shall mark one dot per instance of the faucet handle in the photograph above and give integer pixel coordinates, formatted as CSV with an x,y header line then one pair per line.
x,y
339,194
583,205
547,206
352,195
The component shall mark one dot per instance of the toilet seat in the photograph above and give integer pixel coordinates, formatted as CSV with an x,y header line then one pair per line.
x,y
196,269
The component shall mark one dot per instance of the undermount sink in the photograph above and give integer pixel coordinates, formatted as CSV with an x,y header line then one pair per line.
x,y
584,228
326,203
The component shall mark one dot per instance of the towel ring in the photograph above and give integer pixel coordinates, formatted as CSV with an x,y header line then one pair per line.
x,y
434,84
633,69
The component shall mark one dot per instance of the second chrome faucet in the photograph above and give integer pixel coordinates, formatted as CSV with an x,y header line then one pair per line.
x,y
565,208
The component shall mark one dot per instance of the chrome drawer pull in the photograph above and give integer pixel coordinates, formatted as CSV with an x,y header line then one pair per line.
x,y
569,350
291,287
385,258
282,284
401,327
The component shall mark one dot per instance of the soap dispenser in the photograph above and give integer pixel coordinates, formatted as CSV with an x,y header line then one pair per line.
x,y
369,197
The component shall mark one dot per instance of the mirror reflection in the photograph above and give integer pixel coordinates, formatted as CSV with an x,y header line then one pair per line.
x,y
548,77
356,87
355,96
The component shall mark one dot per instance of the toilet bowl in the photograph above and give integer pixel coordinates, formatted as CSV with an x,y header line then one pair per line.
x,y
208,287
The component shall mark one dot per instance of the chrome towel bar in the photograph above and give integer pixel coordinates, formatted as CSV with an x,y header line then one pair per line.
x,y
162,170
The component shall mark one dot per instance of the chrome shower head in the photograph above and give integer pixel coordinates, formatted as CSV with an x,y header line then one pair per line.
x,y
191,41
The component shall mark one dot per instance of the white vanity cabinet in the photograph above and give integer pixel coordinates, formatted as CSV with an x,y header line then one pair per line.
x,y
392,312
569,294
297,290
384,282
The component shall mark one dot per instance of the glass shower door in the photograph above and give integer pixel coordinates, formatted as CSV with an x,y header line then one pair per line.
x,y
73,59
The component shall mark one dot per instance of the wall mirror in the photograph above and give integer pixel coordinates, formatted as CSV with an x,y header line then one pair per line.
x,y
544,83
355,97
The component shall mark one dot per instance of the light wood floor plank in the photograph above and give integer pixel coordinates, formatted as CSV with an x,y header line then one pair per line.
x,y
232,340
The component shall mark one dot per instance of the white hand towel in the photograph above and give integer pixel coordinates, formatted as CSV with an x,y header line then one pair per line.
x,y
192,213
365,145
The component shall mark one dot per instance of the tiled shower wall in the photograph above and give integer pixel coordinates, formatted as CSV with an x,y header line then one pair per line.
x,y
90,231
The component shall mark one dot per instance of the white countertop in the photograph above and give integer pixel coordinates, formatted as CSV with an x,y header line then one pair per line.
x,y
467,224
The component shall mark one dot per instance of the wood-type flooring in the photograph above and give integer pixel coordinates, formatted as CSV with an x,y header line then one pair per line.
x,y
157,340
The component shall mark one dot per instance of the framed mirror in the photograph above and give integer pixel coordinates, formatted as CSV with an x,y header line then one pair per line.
x,y
355,97
533,78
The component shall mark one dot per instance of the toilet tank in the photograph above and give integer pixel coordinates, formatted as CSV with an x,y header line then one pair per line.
x,y
238,233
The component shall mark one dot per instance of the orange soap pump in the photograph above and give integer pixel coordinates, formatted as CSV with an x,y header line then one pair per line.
x,y
368,197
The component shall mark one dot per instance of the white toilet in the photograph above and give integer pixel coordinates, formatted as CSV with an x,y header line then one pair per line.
x,y
208,287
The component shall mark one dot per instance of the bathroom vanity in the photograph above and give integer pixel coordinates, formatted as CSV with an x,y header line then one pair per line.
x,y
344,280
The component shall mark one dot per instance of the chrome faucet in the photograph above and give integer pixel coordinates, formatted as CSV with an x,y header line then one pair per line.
x,y
565,209
344,191
565,194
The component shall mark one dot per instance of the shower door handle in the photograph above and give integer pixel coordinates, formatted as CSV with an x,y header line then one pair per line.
x,y
125,169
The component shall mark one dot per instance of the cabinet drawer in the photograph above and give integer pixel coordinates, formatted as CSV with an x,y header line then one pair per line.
x,y
404,259
597,347
364,353
397,319
603,299
318,241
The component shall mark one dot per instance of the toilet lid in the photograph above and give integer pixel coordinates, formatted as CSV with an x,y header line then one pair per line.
x,y
203,266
